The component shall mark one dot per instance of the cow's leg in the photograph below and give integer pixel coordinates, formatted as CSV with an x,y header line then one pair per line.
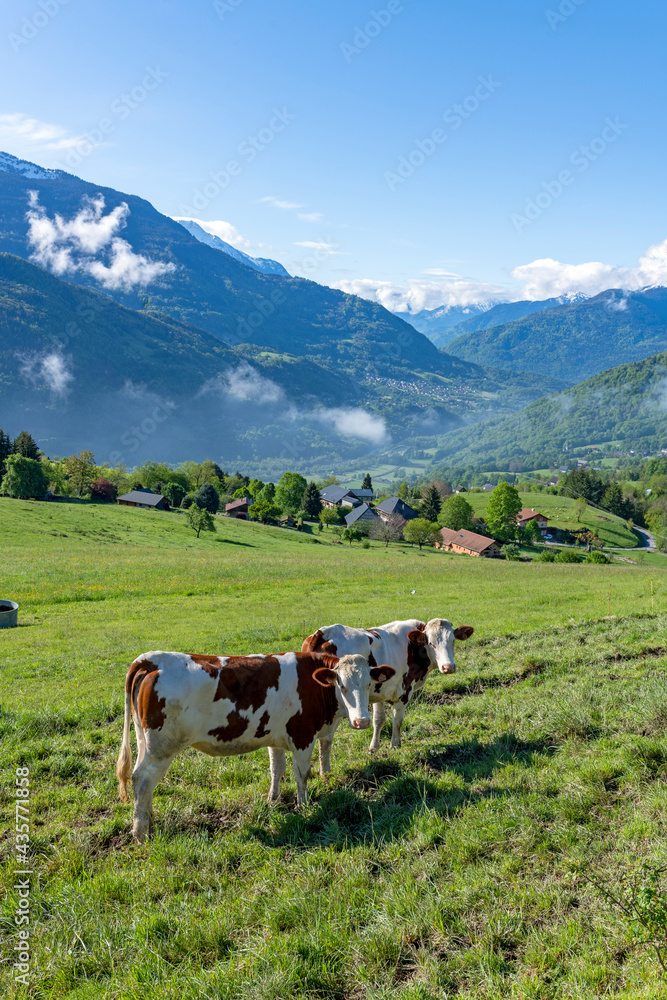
x,y
141,742
144,780
379,711
301,765
278,764
325,755
397,722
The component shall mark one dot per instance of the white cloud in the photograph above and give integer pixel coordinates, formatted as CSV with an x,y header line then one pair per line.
x,y
223,230
69,245
244,383
25,136
545,278
419,294
310,216
328,248
50,370
277,203
355,422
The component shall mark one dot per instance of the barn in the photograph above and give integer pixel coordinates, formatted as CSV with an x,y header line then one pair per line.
x,y
468,543
145,498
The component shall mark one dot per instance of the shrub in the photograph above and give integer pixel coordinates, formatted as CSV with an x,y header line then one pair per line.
x,y
511,551
596,557
186,501
365,544
25,478
547,556
103,489
567,556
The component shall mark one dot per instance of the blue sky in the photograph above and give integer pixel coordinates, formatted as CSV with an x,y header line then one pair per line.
x,y
317,102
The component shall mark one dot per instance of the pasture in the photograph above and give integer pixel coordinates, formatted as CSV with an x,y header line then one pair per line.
x,y
453,867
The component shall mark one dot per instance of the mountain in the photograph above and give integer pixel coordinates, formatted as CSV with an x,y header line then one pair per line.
x,y
503,312
435,323
575,340
625,405
264,264
118,243
81,371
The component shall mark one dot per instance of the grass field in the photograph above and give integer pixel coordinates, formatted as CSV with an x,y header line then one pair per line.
x,y
610,529
453,867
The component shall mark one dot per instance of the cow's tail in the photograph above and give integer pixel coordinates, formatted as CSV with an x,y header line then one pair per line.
x,y
124,764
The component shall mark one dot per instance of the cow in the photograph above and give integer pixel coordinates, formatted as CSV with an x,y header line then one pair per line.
x,y
412,647
227,705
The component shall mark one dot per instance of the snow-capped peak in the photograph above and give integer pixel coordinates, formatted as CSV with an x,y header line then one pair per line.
x,y
12,165
263,264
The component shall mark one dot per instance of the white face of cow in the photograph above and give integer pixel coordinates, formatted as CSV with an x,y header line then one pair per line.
x,y
354,679
441,635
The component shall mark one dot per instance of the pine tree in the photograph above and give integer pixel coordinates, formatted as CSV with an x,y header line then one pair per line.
x,y
5,451
312,504
431,504
367,483
26,445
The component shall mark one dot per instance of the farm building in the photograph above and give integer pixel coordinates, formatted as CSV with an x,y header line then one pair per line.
x,y
287,521
341,496
469,543
361,513
460,489
143,497
527,514
238,508
395,506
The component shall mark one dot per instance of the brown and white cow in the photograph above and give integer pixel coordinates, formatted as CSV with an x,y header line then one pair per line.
x,y
227,705
412,647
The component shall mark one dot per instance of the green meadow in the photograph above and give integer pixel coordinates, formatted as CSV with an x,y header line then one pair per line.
x,y
457,866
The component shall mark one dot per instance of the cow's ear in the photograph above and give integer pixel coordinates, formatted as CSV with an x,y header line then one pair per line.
x,y
463,632
417,638
382,673
325,676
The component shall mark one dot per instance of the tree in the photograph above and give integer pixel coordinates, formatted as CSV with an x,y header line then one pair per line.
x,y
5,451
367,483
613,500
200,472
352,535
502,510
207,498
582,483
330,515
312,503
55,474
267,493
103,489
255,486
431,503
422,531
80,471
25,478
389,530
290,491
403,491
25,445
265,510
329,481
174,493
533,532
200,519
457,514
580,506
511,551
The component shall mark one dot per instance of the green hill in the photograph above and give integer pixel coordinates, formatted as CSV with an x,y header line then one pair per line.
x,y
625,405
577,340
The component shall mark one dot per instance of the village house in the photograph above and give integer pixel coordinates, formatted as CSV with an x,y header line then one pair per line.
x,y
342,496
361,513
239,508
468,543
528,514
143,497
287,521
393,507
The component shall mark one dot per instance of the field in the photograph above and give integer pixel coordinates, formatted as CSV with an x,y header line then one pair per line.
x,y
610,529
454,867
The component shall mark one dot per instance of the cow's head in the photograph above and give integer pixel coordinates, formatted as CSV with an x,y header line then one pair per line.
x,y
437,642
353,678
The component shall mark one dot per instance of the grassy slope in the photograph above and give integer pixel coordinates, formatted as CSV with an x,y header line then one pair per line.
x,y
448,868
561,514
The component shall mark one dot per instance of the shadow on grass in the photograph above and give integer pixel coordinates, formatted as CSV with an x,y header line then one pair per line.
x,y
230,541
474,760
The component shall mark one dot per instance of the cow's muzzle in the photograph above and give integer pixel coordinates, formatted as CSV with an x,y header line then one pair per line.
x,y
447,668
360,723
